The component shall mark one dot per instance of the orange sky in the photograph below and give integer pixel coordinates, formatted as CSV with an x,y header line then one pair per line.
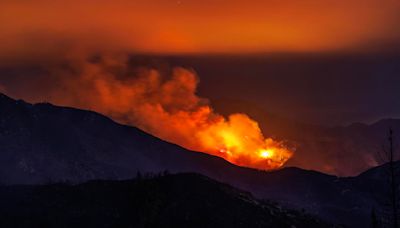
x,y
198,26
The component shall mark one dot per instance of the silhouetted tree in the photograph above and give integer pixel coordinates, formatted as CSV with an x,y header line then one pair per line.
x,y
393,184
165,173
374,219
390,212
138,175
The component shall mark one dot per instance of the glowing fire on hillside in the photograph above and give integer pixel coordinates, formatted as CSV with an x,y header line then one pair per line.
x,y
239,140
167,106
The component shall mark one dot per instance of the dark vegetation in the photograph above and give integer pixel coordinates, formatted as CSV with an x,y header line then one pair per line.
x,y
180,200
388,214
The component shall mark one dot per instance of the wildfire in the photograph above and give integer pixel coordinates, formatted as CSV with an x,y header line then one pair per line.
x,y
240,141
266,153
168,107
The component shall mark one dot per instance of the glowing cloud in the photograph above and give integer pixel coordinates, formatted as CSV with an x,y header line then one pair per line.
x,y
165,105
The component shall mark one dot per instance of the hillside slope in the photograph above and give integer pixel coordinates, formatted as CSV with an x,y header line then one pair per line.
x,y
43,143
182,200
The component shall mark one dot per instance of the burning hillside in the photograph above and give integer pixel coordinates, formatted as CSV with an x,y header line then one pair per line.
x,y
165,105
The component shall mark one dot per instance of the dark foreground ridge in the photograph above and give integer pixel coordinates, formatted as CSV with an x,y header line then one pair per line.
x,y
181,200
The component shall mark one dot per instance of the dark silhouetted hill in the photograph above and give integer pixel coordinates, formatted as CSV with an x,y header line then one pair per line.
x,y
42,143
182,200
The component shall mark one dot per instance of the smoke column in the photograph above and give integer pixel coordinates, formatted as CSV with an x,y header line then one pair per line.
x,y
165,105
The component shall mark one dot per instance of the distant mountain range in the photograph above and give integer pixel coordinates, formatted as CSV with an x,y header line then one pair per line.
x,y
343,151
43,143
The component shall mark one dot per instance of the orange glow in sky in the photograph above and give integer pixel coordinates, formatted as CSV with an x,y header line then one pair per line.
x,y
206,26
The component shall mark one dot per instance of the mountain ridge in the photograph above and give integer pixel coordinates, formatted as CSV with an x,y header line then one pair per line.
x,y
338,150
45,143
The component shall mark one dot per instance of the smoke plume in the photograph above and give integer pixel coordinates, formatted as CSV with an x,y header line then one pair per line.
x,y
165,104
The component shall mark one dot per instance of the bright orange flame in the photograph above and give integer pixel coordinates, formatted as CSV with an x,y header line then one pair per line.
x,y
168,107
240,141
266,153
